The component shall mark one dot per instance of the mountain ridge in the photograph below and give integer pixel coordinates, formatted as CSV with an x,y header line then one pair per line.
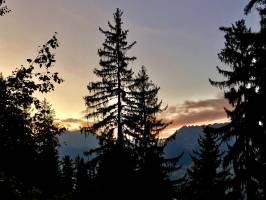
x,y
183,140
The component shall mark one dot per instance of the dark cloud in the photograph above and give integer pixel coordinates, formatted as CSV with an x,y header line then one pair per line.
x,y
195,113
208,104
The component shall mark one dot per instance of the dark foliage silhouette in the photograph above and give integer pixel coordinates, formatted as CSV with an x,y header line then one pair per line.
x,y
152,169
47,168
129,162
18,144
206,178
106,101
252,3
114,160
81,179
67,177
244,88
3,8
130,156
241,95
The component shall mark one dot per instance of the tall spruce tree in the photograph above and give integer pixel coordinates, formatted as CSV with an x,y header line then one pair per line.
x,y
259,80
152,170
107,96
245,53
107,105
206,177
241,90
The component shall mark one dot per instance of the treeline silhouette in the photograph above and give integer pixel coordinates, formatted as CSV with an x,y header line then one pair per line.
x,y
129,162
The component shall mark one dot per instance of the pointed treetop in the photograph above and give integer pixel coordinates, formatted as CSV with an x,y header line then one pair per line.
x,y
118,12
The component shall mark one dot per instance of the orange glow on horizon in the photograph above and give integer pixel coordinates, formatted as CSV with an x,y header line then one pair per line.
x,y
171,129
75,125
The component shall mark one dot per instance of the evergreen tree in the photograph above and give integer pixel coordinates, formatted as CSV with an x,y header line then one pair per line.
x,y
81,179
206,178
106,101
152,170
15,138
144,105
259,62
45,134
241,90
245,89
107,104
67,175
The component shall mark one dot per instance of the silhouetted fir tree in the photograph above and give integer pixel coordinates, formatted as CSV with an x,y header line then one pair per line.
x,y
17,144
45,135
206,178
153,169
241,90
144,105
106,103
67,175
245,89
81,179
259,63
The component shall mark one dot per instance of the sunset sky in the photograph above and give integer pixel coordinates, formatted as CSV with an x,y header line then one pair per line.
x,y
177,40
